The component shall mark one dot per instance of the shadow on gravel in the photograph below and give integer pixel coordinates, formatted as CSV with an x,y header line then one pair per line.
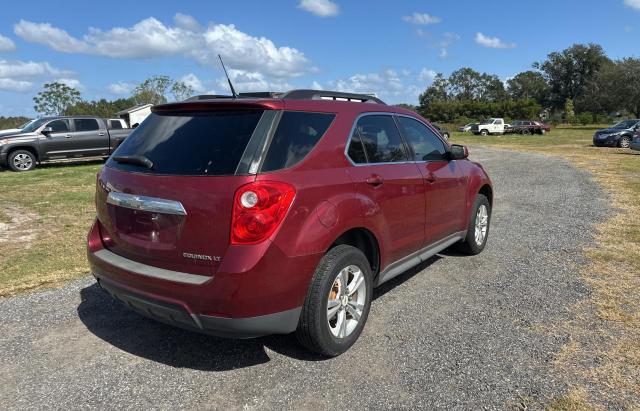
x,y
116,324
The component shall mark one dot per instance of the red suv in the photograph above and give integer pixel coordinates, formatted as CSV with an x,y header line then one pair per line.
x,y
269,214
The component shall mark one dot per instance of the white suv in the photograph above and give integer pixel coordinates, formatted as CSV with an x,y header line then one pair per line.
x,y
490,126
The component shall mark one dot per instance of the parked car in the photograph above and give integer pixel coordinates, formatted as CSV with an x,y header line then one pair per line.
x,y
443,131
635,143
527,127
619,135
488,127
467,127
55,138
252,216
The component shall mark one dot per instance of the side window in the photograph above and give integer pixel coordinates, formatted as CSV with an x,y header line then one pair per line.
x,y
115,125
425,144
499,122
356,150
381,139
86,124
59,126
297,134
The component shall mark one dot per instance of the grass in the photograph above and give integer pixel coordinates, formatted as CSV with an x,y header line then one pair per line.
x,y
602,359
48,212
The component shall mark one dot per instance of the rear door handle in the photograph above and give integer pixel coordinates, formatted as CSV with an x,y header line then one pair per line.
x,y
375,180
67,136
101,134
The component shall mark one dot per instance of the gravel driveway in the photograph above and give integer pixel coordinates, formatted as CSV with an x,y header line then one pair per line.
x,y
457,332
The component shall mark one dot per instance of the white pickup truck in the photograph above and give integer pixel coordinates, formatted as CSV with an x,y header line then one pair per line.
x,y
490,126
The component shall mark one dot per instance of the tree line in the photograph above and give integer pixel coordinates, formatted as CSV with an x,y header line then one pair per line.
x,y
59,99
578,84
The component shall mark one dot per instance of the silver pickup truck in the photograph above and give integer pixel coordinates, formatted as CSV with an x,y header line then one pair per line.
x,y
55,138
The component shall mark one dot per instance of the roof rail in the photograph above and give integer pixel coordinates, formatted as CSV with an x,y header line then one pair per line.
x,y
298,95
330,95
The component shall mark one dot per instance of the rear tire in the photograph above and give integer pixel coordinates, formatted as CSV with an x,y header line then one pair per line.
x,y
21,160
624,142
472,244
330,331
526,132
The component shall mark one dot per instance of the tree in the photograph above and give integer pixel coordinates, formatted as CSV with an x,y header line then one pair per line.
x,y
569,113
570,71
152,91
181,90
437,91
617,88
55,98
100,108
529,85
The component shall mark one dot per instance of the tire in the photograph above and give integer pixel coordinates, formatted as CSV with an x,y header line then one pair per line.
x,y
624,142
542,131
21,160
484,133
526,132
318,330
446,136
470,245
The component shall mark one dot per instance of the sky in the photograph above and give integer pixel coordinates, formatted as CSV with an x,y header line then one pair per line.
x,y
391,48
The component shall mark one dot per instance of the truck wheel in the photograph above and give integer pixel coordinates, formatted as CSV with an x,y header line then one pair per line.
x,y
21,160
337,303
484,133
526,132
624,142
478,230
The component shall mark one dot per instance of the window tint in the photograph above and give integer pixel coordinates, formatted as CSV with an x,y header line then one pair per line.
x,y
86,124
115,125
203,143
381,139
59,126
297,134
425,144
356,150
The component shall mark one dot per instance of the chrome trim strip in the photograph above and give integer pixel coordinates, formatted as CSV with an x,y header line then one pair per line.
x,y
147,270
398,267
144,203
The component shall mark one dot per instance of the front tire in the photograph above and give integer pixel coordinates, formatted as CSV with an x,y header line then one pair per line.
x,y
21,160
484,133
337,304
478,231
624,142
446,136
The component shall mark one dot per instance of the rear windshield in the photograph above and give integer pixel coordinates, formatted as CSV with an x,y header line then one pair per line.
x,y
209,143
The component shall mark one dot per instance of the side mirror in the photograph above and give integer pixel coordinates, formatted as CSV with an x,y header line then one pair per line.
x,y
47,130
458,152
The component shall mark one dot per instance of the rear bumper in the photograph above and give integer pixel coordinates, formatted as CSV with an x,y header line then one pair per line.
x,y
283,322
258,293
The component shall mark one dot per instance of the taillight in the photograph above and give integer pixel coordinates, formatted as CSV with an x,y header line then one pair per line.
x,y
258,210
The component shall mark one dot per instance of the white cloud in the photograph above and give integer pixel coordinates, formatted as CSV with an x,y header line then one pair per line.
x,y
245,81
71,82
121,88
444,53
427,75
151,38
28,69
316,86
493,42
194,82
8,84
422,19
322,8
634,4
6,44
391,85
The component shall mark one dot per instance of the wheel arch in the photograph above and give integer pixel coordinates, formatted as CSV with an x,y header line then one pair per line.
x,y
364,240
30,149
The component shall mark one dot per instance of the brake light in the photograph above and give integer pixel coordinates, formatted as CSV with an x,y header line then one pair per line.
x,y
258,210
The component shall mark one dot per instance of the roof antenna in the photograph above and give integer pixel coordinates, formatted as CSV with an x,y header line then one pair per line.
x,y
233,91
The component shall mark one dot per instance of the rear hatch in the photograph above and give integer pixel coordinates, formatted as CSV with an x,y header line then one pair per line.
x,y
165,197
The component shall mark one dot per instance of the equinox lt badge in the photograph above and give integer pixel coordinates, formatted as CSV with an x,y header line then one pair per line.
x,y
201,257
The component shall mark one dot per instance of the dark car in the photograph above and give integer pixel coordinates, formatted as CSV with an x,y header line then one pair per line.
x,y
527,127
56,138
619,135
443,131
251,216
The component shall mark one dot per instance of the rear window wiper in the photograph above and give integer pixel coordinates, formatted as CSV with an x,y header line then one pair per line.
x,y
135,160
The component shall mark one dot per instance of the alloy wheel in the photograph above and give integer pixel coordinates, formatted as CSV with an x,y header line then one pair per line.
x,y
23,162
482,224
346,300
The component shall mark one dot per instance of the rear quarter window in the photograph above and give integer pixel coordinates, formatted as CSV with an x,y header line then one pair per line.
x,y
297,134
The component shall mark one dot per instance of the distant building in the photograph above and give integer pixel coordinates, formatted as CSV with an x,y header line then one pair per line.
x,y
135,115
